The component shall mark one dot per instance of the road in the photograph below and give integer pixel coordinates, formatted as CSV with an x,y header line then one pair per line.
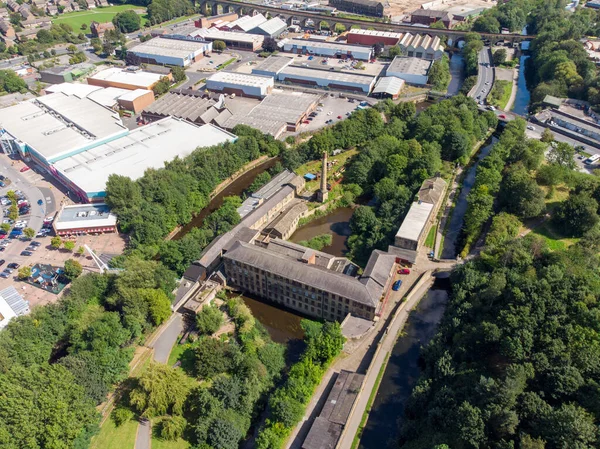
x,y
167,339
143,437
387,345
485,77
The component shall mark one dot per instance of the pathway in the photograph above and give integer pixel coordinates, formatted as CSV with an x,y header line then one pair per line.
x,y
143,438
387,345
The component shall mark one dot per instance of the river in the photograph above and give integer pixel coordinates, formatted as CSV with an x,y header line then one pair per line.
x,y
382,430
457,71
236,188
337,223
454,228
521,105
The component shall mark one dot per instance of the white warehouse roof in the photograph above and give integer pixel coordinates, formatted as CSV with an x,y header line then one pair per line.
x,y
146,147
389,85
169,47
412,66
84,216
247,23
12,304
343,48
77,89
233,36
271,26
415,221
242,79
133,77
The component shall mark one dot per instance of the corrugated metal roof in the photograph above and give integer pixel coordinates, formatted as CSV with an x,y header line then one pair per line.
x,y
15,300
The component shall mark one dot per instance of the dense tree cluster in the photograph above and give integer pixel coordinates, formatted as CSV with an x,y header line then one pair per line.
x,y
288,403
11,82
127,21
471,49
439,74
152,206
516,361
165,10
510,15
505,174
408,149
59,362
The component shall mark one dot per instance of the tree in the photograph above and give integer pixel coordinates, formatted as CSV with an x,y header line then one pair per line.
x,y
5,227
547,136
224,434
178,74
73,269
96,45
160,390
72,49
500,56
24,272
44,37
172,427
269,44
562,154
219,46
83,26
394,51
80,251
576,215
69,245
162,86
439,74
209,320
127,21
11,82
520,194
56,242
121,415
29,233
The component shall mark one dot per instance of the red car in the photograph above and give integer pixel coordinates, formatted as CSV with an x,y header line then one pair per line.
x,y
306,122
502,116
339,117
25,168
2,236
404,271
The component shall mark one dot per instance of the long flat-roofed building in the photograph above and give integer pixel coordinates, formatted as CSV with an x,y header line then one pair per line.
x,y
245,23
164,50
412,70
231,39
85,219
131,78
242,84
372,37
388,87
131,155
329,49
326,78
272,66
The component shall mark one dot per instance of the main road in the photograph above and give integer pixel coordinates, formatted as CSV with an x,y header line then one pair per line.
x,y
485,76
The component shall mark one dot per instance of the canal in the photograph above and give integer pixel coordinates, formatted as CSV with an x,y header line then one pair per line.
x,y
386,418
236,188
521,105
457,71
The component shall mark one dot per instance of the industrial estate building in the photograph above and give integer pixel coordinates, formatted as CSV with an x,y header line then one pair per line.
x,y
110,97
207,22
254,86
232,39
82,143
129,78
364,7
272,66
412,70
65,74
12,305
245,23
372,37
327,79
421,215
430,16
271,28
388,87
163,50
421,46
85,219
329,49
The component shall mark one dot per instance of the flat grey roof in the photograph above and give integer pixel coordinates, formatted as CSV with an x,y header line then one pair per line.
x,y
331,45
241,79
84,215
328,75
273,64
412,66
146,147
15,300
233,36
189,107
285,106
415,221
389,85
272,26
56,125
169,47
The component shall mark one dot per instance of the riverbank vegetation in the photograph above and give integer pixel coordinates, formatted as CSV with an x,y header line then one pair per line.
x,y
60,361
318,242
500,94
516,361
439,74
287,405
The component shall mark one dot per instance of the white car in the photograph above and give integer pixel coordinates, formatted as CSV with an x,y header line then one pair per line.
x,y
531,128
49,218
492,108
330,113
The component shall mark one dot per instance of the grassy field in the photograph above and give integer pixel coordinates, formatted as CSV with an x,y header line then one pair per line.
x,y
553,238
430,240
111,436
500,93
76,19
315,168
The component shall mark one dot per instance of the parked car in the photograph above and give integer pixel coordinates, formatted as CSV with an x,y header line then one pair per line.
x,y
24,169
2,261
13,265
35,244
26,253
404,271
5,274
397,285
40,202
339,117
31,248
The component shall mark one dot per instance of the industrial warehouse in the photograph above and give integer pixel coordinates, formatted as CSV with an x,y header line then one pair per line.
x,y
130,78
253,86
329,49
327,79
162,50
414,71
82,143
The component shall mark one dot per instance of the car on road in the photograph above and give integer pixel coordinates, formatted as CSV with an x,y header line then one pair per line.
x,y
13,265
531,128
492,108
404,271
397,285
26,253
24,169
502,116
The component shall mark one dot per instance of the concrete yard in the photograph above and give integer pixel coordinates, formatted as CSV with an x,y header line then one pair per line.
x,y
334,105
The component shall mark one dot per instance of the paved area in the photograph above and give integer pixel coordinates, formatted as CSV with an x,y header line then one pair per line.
x,y
168,337
485,77
143,438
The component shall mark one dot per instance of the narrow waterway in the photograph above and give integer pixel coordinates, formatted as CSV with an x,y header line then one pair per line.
x,y
236,188
457,71
382,430
521,105
454,228
337,223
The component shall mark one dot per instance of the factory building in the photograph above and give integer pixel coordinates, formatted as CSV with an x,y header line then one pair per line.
x,y
388,87
272,66
421,215
372,37
81,143
243,41
270,28
110,97
12,305
65,74
328,49
165,51
412,70
207,22
131,78
421,46
430,16
85,219
364,7
245,23
241,84
326,79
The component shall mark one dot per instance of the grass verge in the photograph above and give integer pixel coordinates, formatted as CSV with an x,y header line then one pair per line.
x,y
363,421
430,240
111,436
78,18
500,93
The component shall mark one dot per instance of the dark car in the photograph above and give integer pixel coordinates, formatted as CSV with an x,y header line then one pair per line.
x,y
2,178
40,202
2,262
26,253
13,265
397,285
35,244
